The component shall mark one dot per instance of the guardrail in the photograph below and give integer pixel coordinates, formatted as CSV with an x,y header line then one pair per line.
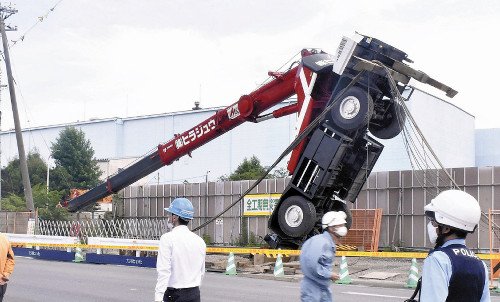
x,y
139,245
42,240
124,244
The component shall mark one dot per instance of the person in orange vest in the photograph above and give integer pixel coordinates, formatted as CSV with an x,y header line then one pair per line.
x,y
6,263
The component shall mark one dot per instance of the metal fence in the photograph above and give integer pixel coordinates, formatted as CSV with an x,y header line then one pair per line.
x,y
365,229
131,228
208,199
401,195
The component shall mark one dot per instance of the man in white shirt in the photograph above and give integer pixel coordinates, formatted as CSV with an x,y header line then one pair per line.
x,y
181,257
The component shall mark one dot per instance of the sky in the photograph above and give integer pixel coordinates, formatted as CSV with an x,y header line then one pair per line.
x,y
119,58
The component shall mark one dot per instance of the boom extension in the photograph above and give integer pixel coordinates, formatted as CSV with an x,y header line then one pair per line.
x,y
247,108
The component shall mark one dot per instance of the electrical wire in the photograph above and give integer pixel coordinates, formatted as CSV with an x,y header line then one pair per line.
x,y
175,180
39,20
426,148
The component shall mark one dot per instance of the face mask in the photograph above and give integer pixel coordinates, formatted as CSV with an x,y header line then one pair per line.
x,y
341,231
431,232
170,225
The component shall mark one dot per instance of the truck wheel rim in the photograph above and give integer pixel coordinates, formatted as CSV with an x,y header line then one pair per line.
x,y
294,216
349,107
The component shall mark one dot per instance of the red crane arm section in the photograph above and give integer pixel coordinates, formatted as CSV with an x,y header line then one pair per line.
x,y
247,108
290,109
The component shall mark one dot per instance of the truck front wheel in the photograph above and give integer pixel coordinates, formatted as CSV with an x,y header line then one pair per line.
x,y
391,124
296,216
353,110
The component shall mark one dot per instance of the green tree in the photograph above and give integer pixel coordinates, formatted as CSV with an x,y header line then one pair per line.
x,y
11,175
47,203
249,169
60,180
76,167
280,173
14,202
73,152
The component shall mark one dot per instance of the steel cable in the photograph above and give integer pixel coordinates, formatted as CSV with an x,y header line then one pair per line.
x,y
292,146
484,216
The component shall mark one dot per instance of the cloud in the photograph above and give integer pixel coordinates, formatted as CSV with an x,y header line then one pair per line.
x,y
113,58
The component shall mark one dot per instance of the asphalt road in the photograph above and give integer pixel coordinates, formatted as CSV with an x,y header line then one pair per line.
x,y
39,280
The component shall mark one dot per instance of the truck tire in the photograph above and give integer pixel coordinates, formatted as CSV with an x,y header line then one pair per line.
x,y
341,206
296,216
392,123
353,110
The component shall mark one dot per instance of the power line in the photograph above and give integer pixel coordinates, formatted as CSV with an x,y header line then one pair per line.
x,y
39,20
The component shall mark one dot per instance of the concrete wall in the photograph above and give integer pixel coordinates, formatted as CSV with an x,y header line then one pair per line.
x,y
15,222
487,147
448,129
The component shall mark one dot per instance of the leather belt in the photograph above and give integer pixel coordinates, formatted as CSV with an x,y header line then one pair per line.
x,y
180,289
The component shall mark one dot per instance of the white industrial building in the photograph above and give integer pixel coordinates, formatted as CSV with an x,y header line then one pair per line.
x,y
119,141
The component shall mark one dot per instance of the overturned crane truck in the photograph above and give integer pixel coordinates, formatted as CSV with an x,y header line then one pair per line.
x,y
330,164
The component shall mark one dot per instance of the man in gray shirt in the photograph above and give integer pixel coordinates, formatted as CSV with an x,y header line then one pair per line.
x,y
316,258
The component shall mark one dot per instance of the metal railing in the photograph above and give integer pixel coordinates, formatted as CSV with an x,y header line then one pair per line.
x,y
131,228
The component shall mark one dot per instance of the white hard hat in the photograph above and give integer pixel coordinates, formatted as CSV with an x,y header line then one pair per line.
x,y
333,218
456,209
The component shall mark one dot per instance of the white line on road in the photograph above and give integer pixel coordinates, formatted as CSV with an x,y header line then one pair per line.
x,y
373,295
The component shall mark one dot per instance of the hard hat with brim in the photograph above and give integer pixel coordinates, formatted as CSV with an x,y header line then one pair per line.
x,y
181,207
333,218
455,209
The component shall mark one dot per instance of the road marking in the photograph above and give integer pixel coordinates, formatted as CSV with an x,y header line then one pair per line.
x,y
373,295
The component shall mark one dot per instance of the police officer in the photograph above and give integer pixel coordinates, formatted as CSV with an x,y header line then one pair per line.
x,y
181,257
451,271
316,258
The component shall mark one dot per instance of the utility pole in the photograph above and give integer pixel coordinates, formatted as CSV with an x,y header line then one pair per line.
x,y
0,141
6,12
1,88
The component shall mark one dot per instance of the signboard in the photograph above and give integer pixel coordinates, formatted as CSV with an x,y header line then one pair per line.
x,y
121,260
44,254
495,268
260,204
31,226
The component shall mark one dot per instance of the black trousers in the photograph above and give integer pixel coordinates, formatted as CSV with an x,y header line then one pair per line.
x,y
191,294
3,289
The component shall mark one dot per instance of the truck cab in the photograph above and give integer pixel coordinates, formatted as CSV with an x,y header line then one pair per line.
x,y
332,165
